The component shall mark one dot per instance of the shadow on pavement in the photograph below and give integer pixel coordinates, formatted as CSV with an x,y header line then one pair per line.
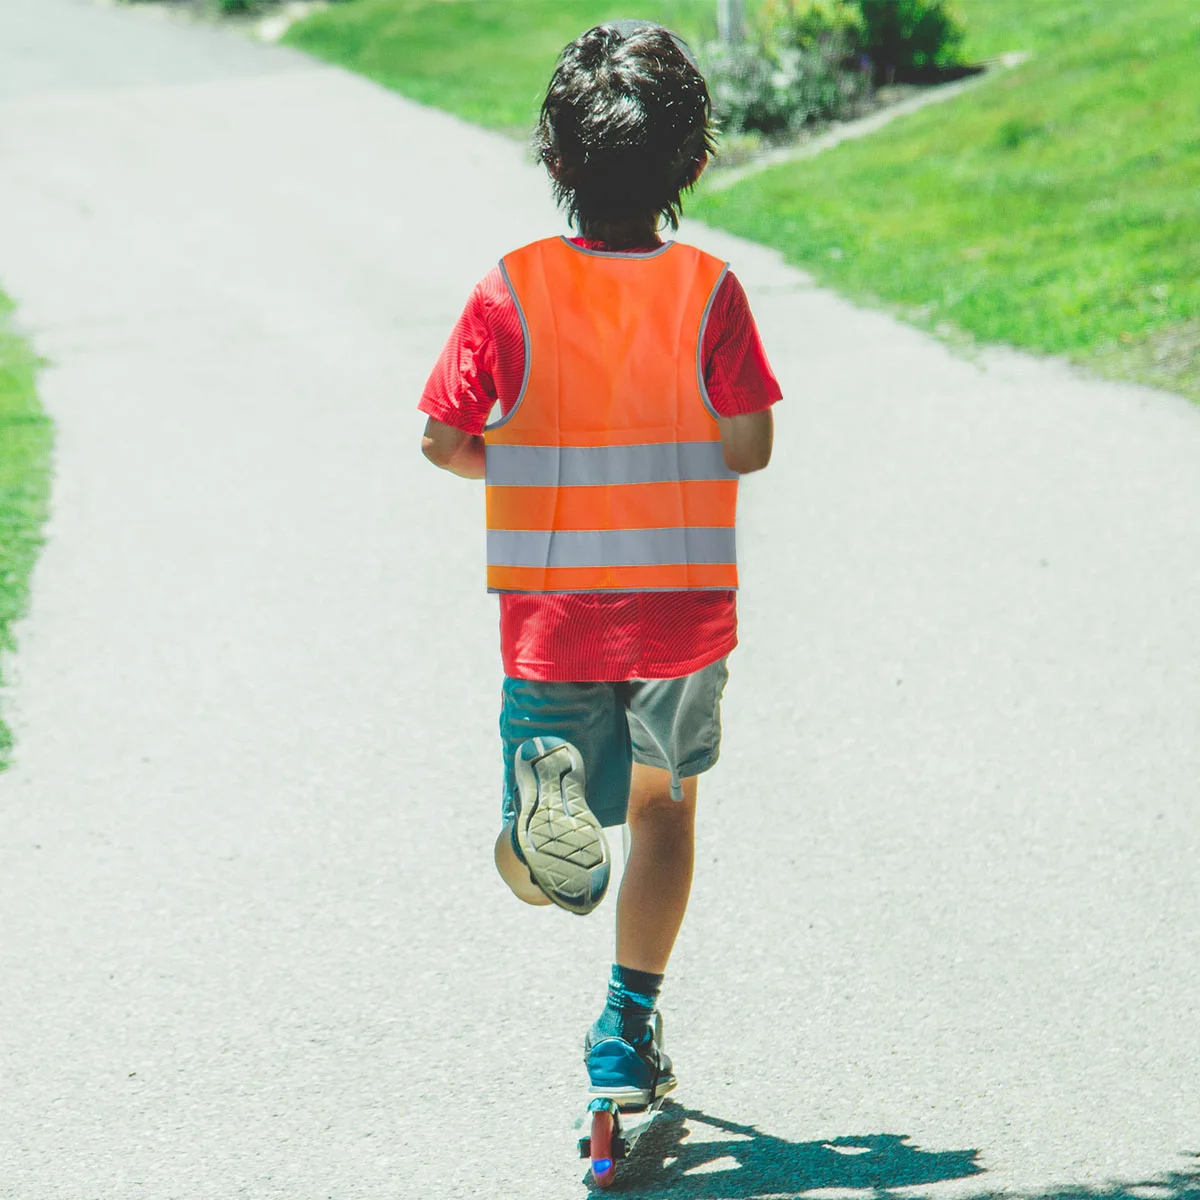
x,y
689,1155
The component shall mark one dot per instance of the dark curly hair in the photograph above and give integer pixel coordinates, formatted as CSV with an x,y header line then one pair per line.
x,y
625,127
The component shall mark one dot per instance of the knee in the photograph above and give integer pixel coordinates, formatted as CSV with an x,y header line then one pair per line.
x,y
658,814
650,792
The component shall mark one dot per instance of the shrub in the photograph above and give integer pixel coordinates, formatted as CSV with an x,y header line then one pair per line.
x,y
805,60
794,71
812,25
906,36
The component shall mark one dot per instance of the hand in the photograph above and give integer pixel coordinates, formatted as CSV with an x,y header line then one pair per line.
x,y
453,450
746,441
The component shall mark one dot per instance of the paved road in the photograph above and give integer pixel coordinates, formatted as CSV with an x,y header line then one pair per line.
x,y
944,931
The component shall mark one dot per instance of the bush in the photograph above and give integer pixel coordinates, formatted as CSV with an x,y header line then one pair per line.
x,y
796,70
813,25
902,37
805,61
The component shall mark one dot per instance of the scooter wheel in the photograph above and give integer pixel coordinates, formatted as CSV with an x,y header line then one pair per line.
x,y
604,1166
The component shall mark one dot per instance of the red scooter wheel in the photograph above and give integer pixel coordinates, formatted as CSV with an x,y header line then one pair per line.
x,y
604,1166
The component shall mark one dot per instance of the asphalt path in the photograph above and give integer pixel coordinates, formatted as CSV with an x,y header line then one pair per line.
x,y
943,936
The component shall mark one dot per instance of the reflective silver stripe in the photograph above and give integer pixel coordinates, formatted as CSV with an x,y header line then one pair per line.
x,y
512,412
609,547
598,466
700,343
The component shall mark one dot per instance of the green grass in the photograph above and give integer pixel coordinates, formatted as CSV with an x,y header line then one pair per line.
x,y
485,60
1055,208
26,437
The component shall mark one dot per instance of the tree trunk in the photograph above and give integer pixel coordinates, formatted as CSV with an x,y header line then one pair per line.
x,y
731,21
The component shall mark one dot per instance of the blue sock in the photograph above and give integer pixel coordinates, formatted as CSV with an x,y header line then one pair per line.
x,y
629,1011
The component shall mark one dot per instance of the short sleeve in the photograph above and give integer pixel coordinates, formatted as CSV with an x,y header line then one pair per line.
x,y
461,391
482,362
736,372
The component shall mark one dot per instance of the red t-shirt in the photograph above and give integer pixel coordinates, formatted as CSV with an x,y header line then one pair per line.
x,y
590,635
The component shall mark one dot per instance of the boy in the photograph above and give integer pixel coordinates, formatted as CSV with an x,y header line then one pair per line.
x,y
633,391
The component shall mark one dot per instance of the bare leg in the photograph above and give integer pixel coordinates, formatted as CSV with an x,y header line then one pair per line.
x,y
658,876
515,873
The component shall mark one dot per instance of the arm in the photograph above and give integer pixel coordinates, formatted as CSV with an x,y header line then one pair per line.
x,y
746,441
453,450
468,378
740,382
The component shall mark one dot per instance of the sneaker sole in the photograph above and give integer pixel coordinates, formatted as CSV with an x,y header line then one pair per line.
x,y
562,842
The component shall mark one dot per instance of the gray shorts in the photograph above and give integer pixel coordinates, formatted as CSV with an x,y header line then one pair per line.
x,y
674,724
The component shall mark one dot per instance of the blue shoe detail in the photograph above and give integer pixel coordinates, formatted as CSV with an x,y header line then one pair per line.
x,y
613,1064
633,1076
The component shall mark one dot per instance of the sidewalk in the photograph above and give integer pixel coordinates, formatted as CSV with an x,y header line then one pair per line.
x,y
946,885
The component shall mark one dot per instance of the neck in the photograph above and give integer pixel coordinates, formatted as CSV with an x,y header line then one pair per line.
x,y
623,235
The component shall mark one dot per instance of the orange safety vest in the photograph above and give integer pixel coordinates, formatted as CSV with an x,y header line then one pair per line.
x,y
607,473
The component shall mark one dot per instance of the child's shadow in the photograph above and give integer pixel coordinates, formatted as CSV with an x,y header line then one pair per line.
x,y
745,1163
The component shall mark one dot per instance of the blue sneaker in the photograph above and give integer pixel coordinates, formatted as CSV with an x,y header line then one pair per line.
x,y
558,836
633,1076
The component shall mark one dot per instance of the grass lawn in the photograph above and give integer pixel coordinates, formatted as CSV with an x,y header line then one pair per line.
x,y
486,60
1055,208
26,436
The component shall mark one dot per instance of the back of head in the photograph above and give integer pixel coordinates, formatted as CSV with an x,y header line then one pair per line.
x,y
625,127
